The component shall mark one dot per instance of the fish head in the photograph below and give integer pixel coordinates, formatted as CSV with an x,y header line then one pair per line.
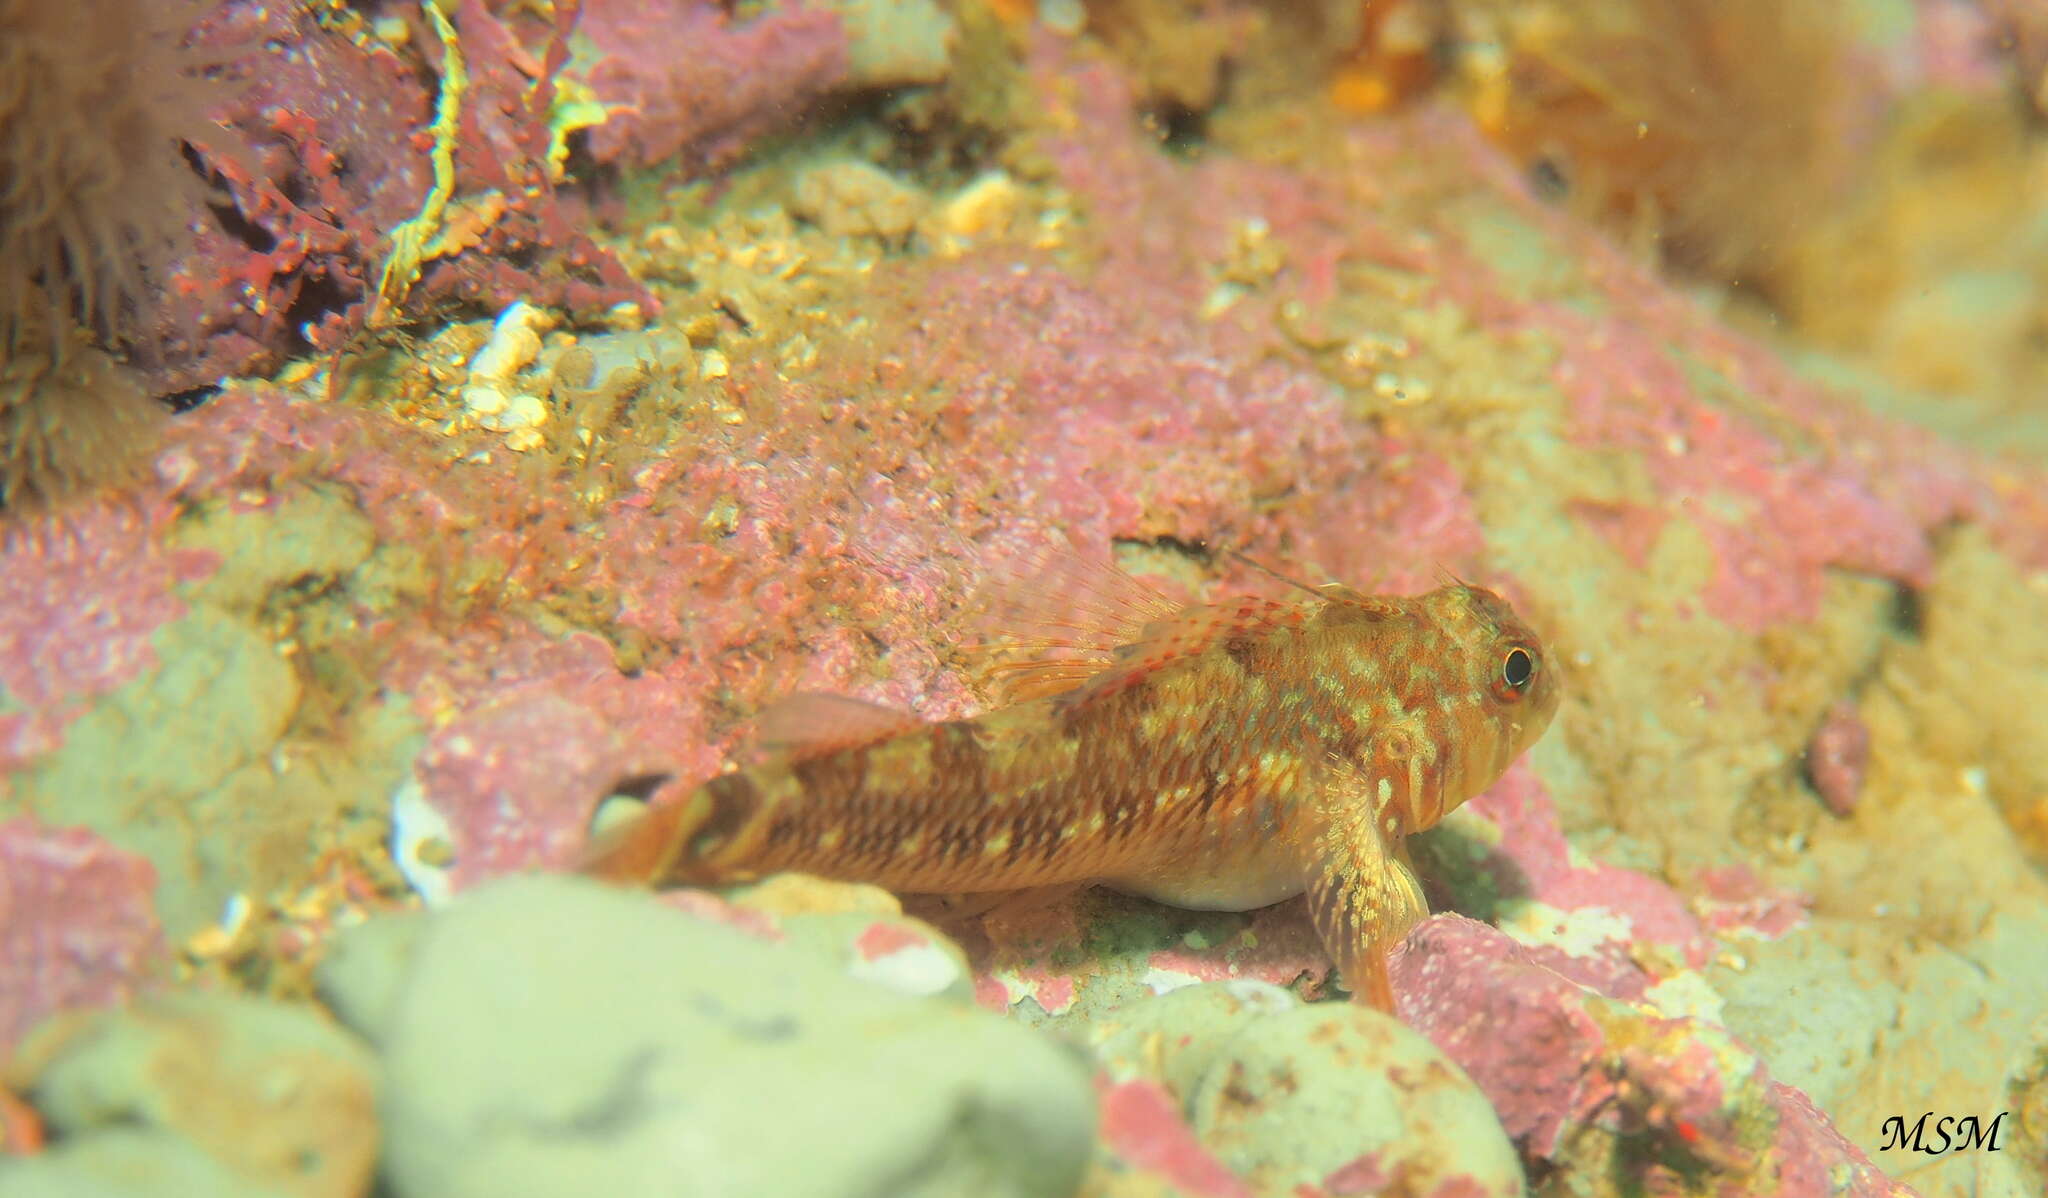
x,y
1501,686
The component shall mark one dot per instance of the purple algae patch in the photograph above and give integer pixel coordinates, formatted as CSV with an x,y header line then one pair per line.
x,y
77,924
80,600
682,78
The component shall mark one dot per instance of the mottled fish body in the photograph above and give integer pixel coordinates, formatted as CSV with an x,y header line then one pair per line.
x,y
1227,756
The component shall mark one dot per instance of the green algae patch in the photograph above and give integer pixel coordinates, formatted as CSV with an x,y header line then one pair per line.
x,y
310,534
1528,263
253,735
137,767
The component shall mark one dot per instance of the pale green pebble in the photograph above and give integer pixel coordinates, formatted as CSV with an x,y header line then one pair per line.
x,y
1166,981
1299,1096
124,1162
920,969
274,1094
935,967
1286,1094
554,1036
1174,1037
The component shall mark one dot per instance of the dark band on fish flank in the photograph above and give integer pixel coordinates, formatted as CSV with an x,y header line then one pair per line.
x,y
1017,835
781,831
870,842
958,755
960,842
734,800
842,775
1126,811
1244,650
1041,832
1067,716
1038,822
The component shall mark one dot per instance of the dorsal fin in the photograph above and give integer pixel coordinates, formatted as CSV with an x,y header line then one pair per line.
x,y
808,724
1191,630
1053,619
1289,579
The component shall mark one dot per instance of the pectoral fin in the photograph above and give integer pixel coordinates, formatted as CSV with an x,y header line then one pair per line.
x,y
1361,892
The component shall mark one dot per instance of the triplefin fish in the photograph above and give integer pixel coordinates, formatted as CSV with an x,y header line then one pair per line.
x,y
1221,756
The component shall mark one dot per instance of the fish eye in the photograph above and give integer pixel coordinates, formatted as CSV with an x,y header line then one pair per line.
x,y
1518,669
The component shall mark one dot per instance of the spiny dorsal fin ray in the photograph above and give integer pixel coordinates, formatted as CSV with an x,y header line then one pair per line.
x,y
1289,579
1362,894
1191,630
1053,619
810,723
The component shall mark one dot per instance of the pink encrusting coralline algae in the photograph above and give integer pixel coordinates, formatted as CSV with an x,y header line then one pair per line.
x,y
1374,356
76,925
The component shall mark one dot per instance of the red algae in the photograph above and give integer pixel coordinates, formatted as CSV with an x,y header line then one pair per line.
x,y
1837,758
1145,358
1735,900
1866,495
76,925
1533,860
58,654
688,80
1143,1127
1556,1058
